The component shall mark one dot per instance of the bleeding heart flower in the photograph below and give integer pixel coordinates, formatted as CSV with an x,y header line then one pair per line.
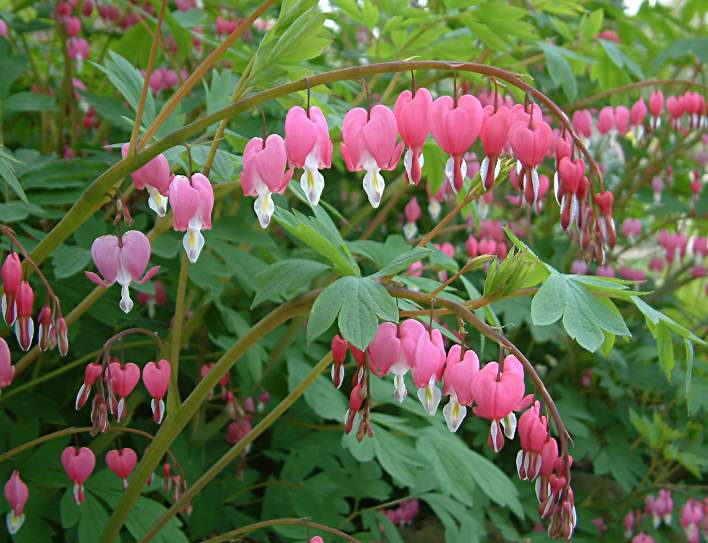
x,y
122,260
78,464
622,120
7,370
16,494
582,122
11,278
24,325
460,370
339,355
156,378
192,202
606,120
656,105
121,381
412,212
494,135
533,435
428,366
122,463
154,176
264,173
384,350
498,393
412,111
369,144
309,147
530,143
455,125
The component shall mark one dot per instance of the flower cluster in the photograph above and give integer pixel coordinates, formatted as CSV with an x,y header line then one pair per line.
x,y
494,392
115,381
659,508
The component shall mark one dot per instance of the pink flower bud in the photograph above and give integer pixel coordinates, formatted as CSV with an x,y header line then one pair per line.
x,y
7,370
11,278
412,112
16,494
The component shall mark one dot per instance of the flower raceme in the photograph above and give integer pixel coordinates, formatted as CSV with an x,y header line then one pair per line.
x,y
122,260
412,110
309,147
154,176
16,494
264,173
369,144
192,201
78,464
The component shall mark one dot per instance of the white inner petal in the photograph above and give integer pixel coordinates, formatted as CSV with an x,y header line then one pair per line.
x,y
264,207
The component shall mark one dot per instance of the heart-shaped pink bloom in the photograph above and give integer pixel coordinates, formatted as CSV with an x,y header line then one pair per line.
x,y
122,462
570,172
495,131
606,120
307,138
155,174
638,112
156,378
582,122
412,210
675,107
264,172
78,464
11,278
77,48
92,372
429,359
122,380
497,393
385,349
24,324
412,112
192,202
122,261
460,370
410,331
7,370
380,137
622,120
530,144
656,103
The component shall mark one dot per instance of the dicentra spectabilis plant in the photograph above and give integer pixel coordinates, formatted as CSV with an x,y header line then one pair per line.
x,y
507,316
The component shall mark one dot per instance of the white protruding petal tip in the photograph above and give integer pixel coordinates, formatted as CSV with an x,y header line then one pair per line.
x,y
312,184
374,187
264,208
454,414
157,202
430,396
126,304
193,243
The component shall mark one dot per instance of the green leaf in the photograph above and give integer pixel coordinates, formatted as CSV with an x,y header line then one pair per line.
x,y
28,101
7,172
620,59
666,350
688,349
560,70
92,520
396,456
70,259
129,82
286,276
548,304
403,261
590,25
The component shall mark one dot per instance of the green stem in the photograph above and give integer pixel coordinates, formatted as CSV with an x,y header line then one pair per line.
x,y
173,397
233,534
177,420
238,448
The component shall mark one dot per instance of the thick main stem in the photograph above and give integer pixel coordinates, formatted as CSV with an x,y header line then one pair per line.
x,y
238,448
234,534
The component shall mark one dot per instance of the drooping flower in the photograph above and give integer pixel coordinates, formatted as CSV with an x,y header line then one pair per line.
x,y
192,201
339,355
78,464
606,120
582,122
92,372
44,327
637,114
460,370
692,515
569,188
7,370
308,147
156,378
607,223
533,435
622,120
384,350
78,50
264,173
11,278
121,380
497,394
154,176
412,212
428,366
16,494
412,112
24,325
494,135
123,261
369,144
356,401
472,247
455,125
656,106
530,141
408,332
122,463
